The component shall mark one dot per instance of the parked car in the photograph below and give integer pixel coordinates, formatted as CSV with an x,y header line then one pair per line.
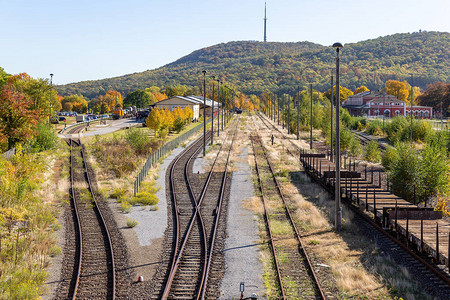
x,y
62,119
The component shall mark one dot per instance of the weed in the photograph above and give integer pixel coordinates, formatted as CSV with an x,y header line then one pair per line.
x,y
132,223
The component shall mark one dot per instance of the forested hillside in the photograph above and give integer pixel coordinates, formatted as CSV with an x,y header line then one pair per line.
x,y
281,67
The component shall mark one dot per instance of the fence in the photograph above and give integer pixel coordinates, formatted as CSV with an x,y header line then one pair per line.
x,y
84,122
161,152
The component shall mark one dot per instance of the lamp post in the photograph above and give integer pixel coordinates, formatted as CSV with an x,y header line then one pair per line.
x,y
212,110
311,120
383,110
331,106
338,212
298,113
411,113
218,108
51,104
224,99
204,113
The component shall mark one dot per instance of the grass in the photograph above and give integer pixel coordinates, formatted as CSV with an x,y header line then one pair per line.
x,y
358,269
132,223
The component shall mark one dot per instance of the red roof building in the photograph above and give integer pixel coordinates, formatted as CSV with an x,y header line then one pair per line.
x,y
376,104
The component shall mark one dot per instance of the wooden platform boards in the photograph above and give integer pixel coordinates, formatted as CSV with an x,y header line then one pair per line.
x,y
366,190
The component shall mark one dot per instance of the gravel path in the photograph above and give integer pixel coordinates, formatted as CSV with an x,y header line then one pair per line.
x,y
242,263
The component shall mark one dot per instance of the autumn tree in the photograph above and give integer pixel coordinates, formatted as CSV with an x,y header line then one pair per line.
x,y
435,94
110,100
155,120
17,119
344,93
398,89
79,103
361,89
43,96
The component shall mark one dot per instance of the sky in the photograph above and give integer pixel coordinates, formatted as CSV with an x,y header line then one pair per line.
x,y
94,39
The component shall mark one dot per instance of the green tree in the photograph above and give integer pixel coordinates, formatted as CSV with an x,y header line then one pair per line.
x,y
138,98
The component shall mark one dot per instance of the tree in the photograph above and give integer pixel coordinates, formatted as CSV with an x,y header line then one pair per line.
x,y
398,89
43,96
108,101
435,94
137,98
361,89
344,93
17,119
155,120
79,104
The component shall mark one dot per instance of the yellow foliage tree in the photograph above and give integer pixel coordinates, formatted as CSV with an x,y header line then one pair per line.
x,y
168,118
398,89
155,119
111,99
361,89
188,114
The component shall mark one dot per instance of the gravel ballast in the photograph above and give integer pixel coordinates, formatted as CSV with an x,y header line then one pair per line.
x,y
242,263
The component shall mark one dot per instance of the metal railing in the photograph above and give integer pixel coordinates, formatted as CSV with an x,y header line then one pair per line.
x,y
161,152
84,122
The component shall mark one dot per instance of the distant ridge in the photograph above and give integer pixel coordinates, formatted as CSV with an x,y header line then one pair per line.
x,y
254,66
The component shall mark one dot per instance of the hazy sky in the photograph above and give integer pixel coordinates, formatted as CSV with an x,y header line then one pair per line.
x,y
94,39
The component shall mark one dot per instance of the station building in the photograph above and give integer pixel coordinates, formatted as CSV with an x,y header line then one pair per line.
x,y
196,103
373,104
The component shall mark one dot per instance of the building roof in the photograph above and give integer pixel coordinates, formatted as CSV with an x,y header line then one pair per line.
x,y
200,100
179,97
378,99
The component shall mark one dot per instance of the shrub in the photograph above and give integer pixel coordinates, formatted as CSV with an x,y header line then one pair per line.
x,y
372,153
346,138
388,158
178,124
46,138
375,127
132,223
118,193
355,148
395,128
125,207
138,140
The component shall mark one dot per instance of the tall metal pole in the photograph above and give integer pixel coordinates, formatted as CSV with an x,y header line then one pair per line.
x,y
51,105
288,98
383,111
283,107
311,120
218,107
278,110
204,113
224,99
212,111
411,114
338,212
298,113
331,129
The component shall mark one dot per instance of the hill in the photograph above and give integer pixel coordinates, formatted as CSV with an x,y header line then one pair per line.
x,y
281,67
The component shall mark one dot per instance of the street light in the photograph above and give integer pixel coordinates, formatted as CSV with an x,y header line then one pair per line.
x,y
311,120
204,113
212,111
338,212
51,104
298,113
331,129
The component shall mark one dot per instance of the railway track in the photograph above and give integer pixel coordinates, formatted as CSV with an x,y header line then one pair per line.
x,y
93,274
296,277
365,139
422,267
196,213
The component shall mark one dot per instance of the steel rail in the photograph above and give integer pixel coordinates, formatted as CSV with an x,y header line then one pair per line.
x,y
177,256
266,217
78,228
299,239
102,224
218,211
174,201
